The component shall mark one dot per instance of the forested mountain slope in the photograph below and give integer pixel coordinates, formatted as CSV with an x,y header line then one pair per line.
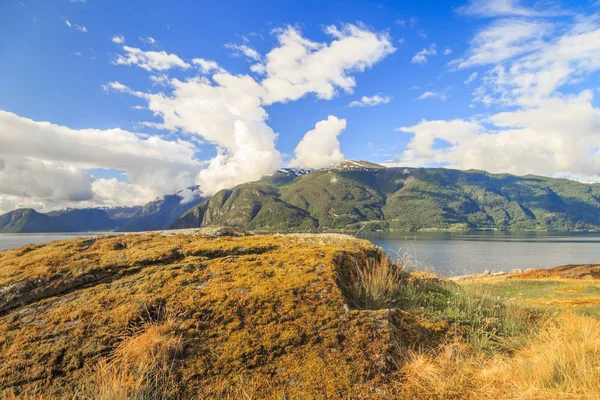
x,y
357,195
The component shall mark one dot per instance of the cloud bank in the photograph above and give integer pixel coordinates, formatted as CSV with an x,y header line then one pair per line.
x,y
48,166
545,128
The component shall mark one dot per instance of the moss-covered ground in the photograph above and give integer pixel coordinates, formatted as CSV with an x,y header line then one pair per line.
x,y
201,315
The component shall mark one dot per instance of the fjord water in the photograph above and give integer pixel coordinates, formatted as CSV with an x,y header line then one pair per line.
x,y
450,254
14,240
447,253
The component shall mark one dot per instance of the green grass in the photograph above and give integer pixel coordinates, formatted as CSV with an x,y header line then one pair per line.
x,y
579,296
487,320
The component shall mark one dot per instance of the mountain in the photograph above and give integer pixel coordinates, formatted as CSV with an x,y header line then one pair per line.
x,y
161,213
157,214
363,195
27,220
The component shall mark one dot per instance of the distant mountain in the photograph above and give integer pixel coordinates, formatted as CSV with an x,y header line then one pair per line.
x,y
28,220
161,213
363,195
158,214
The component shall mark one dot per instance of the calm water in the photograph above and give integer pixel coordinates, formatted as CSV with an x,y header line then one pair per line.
x,y
459,253
13,240
447,253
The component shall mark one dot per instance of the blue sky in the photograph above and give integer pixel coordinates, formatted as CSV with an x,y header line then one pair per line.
x,y
501,85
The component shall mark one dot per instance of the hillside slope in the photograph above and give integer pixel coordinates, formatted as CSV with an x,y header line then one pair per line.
x,y
215,314
69,309
359,195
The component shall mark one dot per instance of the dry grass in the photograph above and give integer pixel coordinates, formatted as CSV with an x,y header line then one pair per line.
x,y
140,368
562,361
379,282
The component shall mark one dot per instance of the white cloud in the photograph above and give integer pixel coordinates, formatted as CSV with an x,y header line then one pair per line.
x,y
188,195
538,74
80,28
147,40
471,78
434,95
150,60
320,147
537,141
228,111
44,162
447,52
502,8
367,101
207,66
421,56
400,22
544,131
503,40
296,66
414,21
160,80
118,39
247,51
422,33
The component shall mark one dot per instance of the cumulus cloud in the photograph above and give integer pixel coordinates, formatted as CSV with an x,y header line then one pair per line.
x,y
295,67
229,110
150,60
40,161
536,141
447,52
367,101
49,166
547,128
118,39
320,147
421,56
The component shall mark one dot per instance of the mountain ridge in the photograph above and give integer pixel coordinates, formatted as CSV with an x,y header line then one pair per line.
x,y
353,195
155,215
362,195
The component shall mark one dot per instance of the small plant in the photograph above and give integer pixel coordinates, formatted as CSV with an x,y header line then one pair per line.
x,y
379,282
141,368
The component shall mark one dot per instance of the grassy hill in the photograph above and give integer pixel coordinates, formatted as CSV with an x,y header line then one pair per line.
x,y
201,315
358,195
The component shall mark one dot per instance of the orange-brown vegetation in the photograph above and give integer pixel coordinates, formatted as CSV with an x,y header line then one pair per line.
x,y
162,316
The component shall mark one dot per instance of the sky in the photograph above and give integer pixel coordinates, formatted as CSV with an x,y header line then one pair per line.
x,y
108,102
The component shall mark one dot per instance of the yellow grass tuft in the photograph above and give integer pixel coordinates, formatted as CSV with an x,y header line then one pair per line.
x,y
562,361
140,368
379,281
